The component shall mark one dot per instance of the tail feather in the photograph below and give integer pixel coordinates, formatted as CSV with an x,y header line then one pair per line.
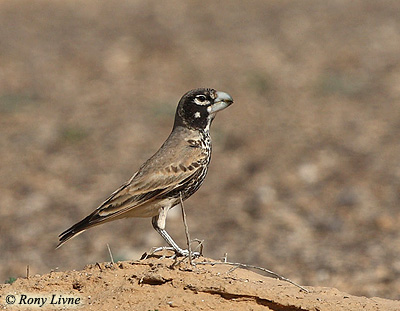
x,y
113,208
78,228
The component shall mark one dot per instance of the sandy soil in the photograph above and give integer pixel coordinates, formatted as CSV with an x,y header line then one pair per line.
x,y
156,284
305,173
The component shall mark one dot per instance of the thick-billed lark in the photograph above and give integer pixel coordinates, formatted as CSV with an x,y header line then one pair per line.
x,y
172,174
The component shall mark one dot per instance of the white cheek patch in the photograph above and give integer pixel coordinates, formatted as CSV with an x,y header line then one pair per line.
x,y
209,120
197,114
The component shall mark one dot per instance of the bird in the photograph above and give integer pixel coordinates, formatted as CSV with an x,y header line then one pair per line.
x,y
171,175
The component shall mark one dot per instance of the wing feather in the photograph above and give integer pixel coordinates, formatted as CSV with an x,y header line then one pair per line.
x,y
167,170
156,177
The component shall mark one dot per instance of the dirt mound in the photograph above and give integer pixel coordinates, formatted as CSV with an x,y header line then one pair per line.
x,y
156,284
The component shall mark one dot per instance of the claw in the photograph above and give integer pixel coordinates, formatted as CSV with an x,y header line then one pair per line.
x,y
185,253
177,253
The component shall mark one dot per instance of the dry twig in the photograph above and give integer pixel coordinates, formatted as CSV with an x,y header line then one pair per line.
x,y
186,230
242,265
111,256
225,258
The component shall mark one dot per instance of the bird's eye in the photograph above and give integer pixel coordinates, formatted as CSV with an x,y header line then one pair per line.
x,y
201,98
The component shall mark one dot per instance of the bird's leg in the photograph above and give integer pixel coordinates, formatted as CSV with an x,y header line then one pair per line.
x,y
169,240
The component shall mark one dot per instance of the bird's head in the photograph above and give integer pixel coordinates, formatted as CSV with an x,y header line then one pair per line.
x,y
197,108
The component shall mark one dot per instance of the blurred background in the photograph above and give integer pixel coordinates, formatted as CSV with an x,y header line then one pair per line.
x,y
305,174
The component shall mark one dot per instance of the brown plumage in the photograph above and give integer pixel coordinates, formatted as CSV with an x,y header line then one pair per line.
x,y
177,169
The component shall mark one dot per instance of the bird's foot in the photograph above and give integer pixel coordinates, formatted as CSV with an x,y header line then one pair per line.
x,y
185,253
177,253
154,250
194,254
